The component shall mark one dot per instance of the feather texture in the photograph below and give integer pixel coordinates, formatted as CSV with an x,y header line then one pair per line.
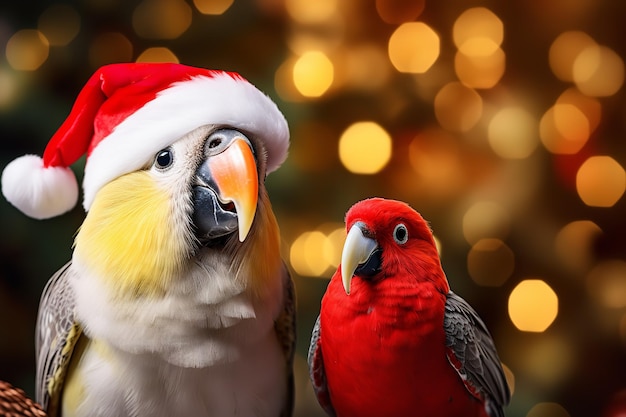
x,y
473,354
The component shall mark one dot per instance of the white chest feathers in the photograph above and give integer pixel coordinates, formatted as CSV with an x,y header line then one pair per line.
x,y
206,348
119,385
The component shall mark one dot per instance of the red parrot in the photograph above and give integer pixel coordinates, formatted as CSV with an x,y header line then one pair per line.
x,y
391,338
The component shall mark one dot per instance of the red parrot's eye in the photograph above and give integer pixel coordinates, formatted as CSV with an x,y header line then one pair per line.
x,y
400,234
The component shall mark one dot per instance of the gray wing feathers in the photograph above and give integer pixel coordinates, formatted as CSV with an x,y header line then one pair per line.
x,y
475,355
55,324
316,369
313,346
285,327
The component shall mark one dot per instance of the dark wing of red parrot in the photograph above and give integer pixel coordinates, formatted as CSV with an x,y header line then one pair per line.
x,y
473,354
316,369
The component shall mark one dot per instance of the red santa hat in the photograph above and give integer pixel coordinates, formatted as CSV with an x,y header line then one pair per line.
x,y
123,116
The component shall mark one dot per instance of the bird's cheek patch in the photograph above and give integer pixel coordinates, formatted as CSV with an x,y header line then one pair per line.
x,y
131,236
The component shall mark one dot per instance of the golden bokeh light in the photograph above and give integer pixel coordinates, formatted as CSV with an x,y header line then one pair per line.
x,y
436,159
480,71
479,61
573,244
457,107
413,47
564,129
212,7
479,47
161,19
284,82
9,88
399,11
533,305
110,47
512,133
607,283
571,123
158,54
60,23
27,50
589,106
365,148
600,181
485,219
311,12
313,73
598,71
564,51
333,246
306,255
490,262
547,409
478,32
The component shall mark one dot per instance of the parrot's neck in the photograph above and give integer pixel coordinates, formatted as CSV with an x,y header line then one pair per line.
x,y
390,302
203,309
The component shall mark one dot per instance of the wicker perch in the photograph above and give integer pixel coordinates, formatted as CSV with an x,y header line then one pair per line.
x,y
15,403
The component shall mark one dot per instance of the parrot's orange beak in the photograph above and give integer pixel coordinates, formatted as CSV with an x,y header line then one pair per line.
x,y
235,174
357,255
227,187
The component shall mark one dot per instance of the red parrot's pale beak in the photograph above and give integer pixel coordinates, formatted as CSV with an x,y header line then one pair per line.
x,y
357,255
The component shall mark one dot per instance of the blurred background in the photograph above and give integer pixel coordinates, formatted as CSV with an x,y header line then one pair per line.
x,y
503,123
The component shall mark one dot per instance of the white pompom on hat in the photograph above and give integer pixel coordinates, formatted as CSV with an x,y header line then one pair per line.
x,y
123,116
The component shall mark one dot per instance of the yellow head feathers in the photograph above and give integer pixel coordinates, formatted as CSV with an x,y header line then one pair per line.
x,y
134,237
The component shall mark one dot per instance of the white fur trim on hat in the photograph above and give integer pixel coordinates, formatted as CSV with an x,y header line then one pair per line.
x,y
37,191
176,111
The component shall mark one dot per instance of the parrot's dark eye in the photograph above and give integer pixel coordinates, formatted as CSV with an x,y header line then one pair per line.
x,y
215,142
400,234
164,159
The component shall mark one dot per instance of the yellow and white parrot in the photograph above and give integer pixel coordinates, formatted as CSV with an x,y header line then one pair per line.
x,y
176,301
